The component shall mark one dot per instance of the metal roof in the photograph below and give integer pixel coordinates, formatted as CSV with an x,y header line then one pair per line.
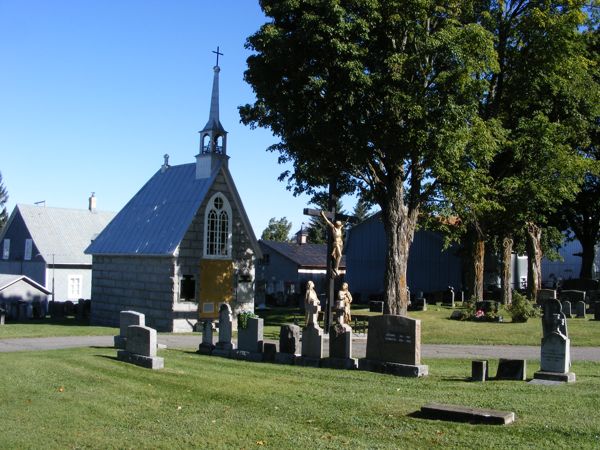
x,y
9,280
61,235
305,255
155,220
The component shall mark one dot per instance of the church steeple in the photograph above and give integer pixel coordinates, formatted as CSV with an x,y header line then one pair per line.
x,y
213,137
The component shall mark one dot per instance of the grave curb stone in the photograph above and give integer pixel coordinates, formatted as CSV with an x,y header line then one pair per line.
x,y
391,368
286,358
340,363
245,355
457,413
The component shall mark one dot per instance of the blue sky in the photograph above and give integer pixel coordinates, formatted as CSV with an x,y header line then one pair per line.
x,y
93,93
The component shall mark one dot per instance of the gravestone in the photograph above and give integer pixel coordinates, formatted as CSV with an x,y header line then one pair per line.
x,y
250,340
394,346
126,319
544,295
573,296
375,306
206,347
580,310
566,305
312,338
289,344
141,348
224,345
419,304
479,370
2,316
270,350
512,369
556,347
340,343
448,298
597,311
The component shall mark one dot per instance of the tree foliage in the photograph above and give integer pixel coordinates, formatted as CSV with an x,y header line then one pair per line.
x,y
381,97
277,230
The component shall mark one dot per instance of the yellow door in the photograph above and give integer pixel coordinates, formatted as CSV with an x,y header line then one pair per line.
x,y
216,286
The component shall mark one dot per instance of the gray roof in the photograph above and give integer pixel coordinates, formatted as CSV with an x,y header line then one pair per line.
x,y
155,220
61,233
305,255
9,280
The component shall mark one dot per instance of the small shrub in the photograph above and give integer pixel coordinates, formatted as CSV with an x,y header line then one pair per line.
x,y
243,319
521,308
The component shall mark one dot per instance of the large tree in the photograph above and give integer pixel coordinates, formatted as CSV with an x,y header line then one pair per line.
x,y
277,230
540,98
381,96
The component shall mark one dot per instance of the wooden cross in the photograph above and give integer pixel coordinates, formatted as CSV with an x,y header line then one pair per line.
x,y
218,53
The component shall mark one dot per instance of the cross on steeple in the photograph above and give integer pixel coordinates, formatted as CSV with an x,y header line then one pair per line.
x,y
218,53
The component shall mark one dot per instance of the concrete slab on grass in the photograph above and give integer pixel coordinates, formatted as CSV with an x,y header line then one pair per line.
x,y
456,413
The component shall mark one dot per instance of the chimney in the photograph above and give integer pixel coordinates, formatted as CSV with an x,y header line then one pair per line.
x,y
92,202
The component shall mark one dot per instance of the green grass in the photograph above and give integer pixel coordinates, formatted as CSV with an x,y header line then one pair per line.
x,y
437,328
85,398
52,328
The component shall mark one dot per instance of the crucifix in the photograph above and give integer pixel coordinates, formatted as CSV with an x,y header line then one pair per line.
x,y
335,242
218,53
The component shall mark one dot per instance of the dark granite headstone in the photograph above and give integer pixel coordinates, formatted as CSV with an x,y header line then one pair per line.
x,y
289,339
512,369
479,370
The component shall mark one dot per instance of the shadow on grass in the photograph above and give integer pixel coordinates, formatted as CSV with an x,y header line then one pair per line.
x,y
112,358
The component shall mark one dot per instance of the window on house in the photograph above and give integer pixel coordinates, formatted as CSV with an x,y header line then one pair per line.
x,y
187,288
74,288
6,249
217,226
28,249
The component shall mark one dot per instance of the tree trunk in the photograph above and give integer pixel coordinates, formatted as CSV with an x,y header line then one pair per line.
x,y
399,223
534,260
478,266
587,258
507,247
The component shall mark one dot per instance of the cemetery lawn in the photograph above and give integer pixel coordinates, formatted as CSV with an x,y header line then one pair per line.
x,y
437,328
85,398
52,328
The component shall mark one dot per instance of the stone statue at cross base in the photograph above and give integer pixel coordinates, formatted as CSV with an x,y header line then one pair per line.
x,y
345,297
312,305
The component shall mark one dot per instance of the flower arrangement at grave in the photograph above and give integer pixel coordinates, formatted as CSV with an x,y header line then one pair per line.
x,y
243,318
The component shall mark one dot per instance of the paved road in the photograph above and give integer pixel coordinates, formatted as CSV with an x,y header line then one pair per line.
x,y
359,345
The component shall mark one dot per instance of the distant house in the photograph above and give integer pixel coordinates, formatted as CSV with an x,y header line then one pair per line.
x,y
22,298
286,267
47,245
430,267
181,246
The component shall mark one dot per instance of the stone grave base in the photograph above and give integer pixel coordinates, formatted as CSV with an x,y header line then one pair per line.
x,y
286,358
391,368
307,361
568,377
247,356
120,342
206,349
339,363
149,362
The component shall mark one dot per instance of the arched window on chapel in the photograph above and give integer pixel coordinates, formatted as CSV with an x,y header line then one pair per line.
x,y
217,228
